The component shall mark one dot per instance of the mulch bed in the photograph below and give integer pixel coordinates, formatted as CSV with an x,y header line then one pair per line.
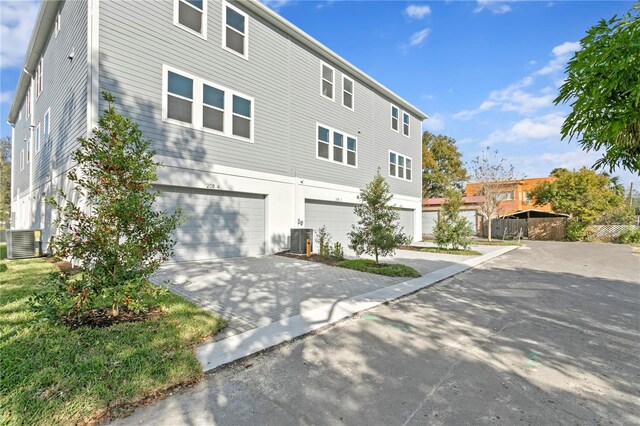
x,y
102,318
65,266
331,261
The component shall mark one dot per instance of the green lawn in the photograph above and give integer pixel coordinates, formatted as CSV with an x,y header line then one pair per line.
x,y
388,269
54,375
451,251
494,243
3,251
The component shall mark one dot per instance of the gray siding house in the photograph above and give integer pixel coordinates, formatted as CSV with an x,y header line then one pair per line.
x,y
260,127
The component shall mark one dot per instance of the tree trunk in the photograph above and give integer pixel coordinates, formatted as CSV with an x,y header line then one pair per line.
x,y
376,251
114,308
489,228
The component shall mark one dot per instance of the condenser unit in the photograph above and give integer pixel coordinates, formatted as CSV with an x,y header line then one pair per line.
x,y
24,244
299,237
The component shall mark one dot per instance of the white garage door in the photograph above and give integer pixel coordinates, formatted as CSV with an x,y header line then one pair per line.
x,y
337,217
218,224
470,215
406,221
429,220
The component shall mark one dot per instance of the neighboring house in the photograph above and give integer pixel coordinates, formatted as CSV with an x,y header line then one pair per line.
x,y
260,127
431,208
515,195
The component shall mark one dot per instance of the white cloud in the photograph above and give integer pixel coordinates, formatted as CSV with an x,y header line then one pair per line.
x,y
561,54
494,6
544,127
418,37
414,11
6,97
16,23
276,4
434,123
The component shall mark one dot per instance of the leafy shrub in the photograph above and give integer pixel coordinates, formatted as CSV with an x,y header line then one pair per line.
x,y
576,231
452,229
630,236
323,238
337,252
3,267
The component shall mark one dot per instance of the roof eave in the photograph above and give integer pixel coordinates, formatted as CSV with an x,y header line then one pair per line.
x,y
44,21
322,50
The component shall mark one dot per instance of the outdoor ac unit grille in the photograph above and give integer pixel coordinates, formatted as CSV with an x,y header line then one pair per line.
x,y
23,244
299,237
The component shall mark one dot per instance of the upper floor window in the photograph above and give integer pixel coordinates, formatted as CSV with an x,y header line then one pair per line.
x,y
504,195
191,15
235,35
45,127
58,23
399,166
39,78
27,101
347,92
327,81
192,101
22,160
395,118
405,123
334,145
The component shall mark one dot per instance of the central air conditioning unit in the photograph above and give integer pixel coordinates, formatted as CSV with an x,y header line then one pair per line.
x,y
24,244
299,237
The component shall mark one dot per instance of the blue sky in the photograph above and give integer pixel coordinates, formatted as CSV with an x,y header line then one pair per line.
x,y
485,71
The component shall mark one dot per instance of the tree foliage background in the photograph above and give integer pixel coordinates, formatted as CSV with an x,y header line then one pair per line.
x,y
5,180
603,88
442,165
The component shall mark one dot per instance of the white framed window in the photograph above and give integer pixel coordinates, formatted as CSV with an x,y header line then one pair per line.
x,y
406,120
348,91
58,23
327,81
38,138
29,152
336,146
395,118
39,77
27,101
235,30
191,15
22,160
193,102
45,126
400,166
504,195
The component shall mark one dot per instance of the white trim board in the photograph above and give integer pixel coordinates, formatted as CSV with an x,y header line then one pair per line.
x,y
216,354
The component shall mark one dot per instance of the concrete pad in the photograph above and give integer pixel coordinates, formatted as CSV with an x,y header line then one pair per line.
x,y
215,354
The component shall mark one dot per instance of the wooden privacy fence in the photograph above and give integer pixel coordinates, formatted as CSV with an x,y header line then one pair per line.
x,y
543,228
608,231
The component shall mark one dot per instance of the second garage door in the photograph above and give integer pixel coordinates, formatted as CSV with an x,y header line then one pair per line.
x,y
218,224
406,221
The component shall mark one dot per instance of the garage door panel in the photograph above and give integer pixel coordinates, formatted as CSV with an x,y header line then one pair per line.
x,y
429,220
407,221
218,224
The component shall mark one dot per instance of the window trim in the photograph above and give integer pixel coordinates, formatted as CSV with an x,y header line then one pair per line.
x,y
22,159
57,25
333,83
391,115
39,77
176,18
38,134
345,145
198,105
224,30
46,120
406,114
397,154
352,93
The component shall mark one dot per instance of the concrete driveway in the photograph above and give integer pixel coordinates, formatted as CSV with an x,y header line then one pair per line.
x,y
547,334
253,292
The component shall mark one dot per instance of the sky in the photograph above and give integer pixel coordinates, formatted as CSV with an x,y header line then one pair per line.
x,y
485,71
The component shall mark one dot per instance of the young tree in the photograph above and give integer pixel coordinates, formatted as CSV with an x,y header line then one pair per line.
x,y
5,179
112,227
442,166
377,232
588,197
452,229
493,174
603,87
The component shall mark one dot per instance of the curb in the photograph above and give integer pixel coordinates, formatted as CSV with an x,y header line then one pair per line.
x,y
215,354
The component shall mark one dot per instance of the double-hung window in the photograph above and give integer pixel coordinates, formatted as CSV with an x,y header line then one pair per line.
x,y
334,145
39,77
347,92
194,102
38,138
405,123
327,81
399,166
45,127
21,160
27,102
191,15
235,31
179,98
395,118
